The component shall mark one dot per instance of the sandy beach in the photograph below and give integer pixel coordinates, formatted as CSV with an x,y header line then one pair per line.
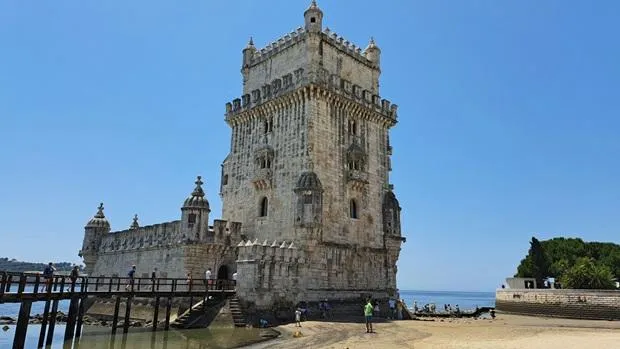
x,y
506,331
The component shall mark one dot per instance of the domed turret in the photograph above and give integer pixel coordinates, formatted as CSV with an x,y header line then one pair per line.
x,y
373,52
195,214
197,198
308,181
94,232
313,18
99,220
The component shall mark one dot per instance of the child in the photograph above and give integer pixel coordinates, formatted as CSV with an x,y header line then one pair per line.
x,y
298,317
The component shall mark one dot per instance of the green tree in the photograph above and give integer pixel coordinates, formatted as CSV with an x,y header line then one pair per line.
x,y
586,274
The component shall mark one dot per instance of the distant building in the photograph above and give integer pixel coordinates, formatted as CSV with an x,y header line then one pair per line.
x,y
520,283
308,209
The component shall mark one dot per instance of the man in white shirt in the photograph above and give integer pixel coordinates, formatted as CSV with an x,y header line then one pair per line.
x,y
234,277
208,277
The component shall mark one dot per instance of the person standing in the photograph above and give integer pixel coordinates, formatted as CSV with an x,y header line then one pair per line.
x,y
208,277
368,309
298,317
392,305
234,279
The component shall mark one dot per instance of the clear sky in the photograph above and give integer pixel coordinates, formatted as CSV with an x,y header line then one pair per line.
x,y
509,119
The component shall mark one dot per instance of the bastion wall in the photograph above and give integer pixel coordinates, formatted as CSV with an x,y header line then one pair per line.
x,y
576,304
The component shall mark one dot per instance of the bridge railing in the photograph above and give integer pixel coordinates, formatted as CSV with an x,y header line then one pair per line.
x,y
37,283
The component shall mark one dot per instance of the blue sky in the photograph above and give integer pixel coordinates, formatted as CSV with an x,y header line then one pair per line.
x,y
508,121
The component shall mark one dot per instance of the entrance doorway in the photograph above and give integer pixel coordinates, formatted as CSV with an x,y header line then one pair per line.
x,y
222,273
222,276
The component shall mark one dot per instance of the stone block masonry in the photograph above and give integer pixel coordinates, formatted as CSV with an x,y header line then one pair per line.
x,y
308,210
576,304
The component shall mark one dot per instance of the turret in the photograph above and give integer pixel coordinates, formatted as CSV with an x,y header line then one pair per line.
x,y
195,214
373,52
313,17
134,225
248,53
94,231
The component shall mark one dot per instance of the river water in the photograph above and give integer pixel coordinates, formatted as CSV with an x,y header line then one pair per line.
x,y
99,337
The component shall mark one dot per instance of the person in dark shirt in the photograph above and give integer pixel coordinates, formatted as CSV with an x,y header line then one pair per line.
x,y
130,275
48,274
153,278
75,273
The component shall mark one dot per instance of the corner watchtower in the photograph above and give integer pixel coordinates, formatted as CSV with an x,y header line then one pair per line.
x,y
313,18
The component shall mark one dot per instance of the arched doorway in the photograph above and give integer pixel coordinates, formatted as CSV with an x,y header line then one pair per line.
x,y
222,273
222,276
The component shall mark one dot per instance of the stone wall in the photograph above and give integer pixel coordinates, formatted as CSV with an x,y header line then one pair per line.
x,y
169,261
578,304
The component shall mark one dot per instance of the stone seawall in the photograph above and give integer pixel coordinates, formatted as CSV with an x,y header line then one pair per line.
x,y
576,304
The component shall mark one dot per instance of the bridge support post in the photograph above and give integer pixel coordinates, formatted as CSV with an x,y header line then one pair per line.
x,y
46,314
50,331
127,313
117,305
80,317
22,325
71,317
155,314
168,306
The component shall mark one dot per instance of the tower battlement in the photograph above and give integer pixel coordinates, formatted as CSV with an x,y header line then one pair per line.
x,y
291,85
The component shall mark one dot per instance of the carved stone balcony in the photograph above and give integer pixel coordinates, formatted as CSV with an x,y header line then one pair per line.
x,y
357,179
262,179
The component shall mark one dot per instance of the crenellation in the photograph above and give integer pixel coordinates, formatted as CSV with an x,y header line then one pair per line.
x,y
307,208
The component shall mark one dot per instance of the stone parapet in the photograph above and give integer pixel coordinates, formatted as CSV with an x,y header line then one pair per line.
x,y
340,91
347,47
150,236
277,46
578,304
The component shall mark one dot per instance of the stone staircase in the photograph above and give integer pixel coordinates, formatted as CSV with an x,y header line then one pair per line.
x,y
236,310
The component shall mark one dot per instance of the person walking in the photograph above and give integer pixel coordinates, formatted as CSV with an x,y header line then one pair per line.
x,y
153,278
48,275
368,309
131,274
75,273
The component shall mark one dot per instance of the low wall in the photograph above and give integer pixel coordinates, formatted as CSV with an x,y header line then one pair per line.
x,y
576,304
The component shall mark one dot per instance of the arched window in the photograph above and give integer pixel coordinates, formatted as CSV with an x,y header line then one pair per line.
x,y
264,206
353,208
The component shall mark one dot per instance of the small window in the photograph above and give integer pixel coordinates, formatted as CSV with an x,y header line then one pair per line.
x,y
353,209
312,20
191,219
225,180
264,206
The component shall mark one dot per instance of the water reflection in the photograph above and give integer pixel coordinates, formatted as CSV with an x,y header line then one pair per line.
x,y
223,338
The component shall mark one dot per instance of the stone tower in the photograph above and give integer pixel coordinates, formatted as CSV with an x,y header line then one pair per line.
x,y
95,230
309,164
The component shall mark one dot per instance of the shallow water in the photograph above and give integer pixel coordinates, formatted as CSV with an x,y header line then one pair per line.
x,y
138,338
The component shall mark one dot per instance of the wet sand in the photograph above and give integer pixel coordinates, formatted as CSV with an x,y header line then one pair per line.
x,y
506,331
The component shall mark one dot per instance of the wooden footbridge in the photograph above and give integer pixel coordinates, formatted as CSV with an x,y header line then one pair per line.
x,y
27,288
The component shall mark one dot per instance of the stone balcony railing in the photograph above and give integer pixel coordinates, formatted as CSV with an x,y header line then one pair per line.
x,y
357,176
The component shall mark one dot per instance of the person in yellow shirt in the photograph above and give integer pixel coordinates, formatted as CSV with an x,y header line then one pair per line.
x,y
368,309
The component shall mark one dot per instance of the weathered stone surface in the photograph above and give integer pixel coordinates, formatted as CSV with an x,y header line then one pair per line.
x,y
308,208
579,304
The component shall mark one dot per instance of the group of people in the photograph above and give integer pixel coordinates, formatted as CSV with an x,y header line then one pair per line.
x,y
48,277
208,278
